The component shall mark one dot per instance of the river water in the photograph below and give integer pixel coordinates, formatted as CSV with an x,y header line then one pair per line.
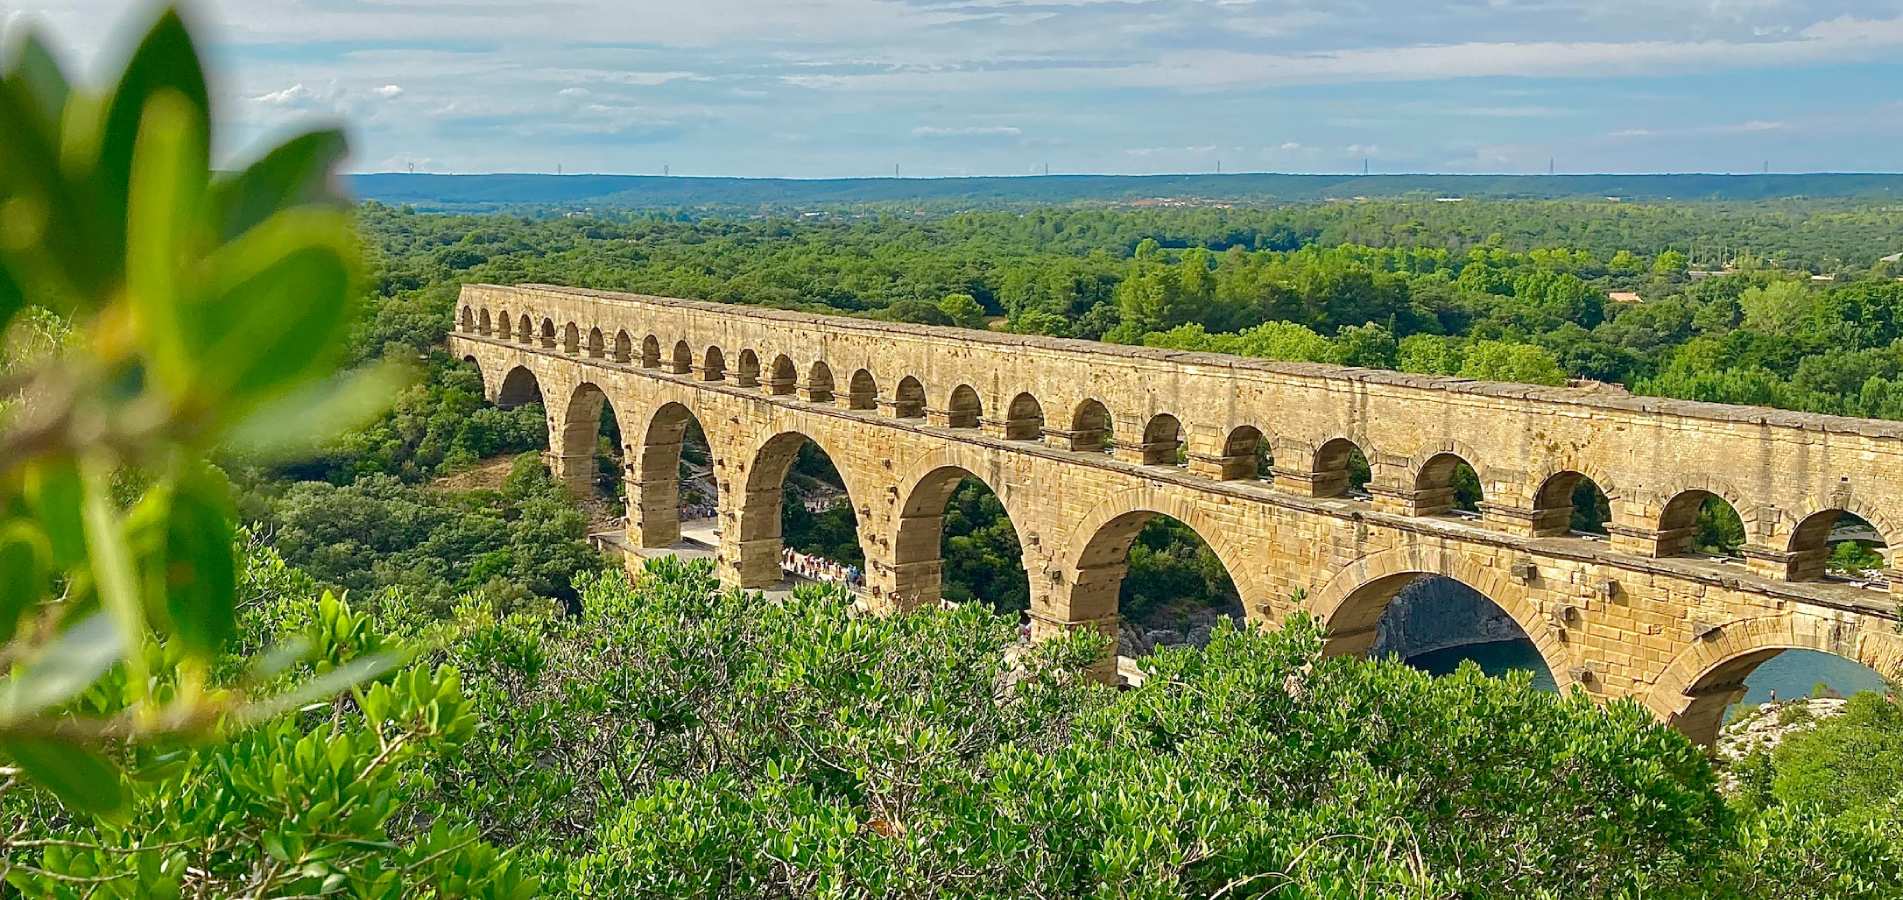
x,y
1791,673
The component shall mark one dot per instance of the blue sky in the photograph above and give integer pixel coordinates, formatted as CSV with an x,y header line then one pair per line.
x,y
811,88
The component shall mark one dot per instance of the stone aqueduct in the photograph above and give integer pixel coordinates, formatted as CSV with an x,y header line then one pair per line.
x,y
906,411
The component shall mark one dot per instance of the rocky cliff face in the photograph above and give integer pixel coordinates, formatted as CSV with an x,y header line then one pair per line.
x,y
1436,613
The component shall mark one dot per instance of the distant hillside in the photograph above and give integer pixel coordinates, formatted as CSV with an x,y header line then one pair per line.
x,y
648,191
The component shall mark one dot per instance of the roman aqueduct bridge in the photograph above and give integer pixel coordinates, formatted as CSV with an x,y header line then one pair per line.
x,y
1084,442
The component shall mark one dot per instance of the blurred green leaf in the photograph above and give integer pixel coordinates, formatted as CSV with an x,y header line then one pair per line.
x,y
165,205
165,60
276,306
32,65
64,668
82,779
23,560
46,238
201,580
300,421
113,571
11,298
53,491
295,173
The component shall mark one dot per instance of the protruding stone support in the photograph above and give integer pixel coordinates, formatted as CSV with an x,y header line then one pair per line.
x,y
1154,453
1311,484
912,585
778,387
679,367
710,373
1550,522
1705,714
755,564
858,398
1412,501
1223,467
654,512
1088,440
820,392
576,471
1787,565
902,409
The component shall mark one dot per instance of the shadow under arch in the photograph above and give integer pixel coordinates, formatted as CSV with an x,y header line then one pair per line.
x,y
758,514
519,387
1708,675
654,487
918,544
1351,604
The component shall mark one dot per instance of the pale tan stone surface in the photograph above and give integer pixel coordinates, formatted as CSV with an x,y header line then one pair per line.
x,y
905,410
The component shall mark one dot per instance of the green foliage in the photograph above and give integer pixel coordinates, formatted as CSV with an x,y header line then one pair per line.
x,y
213,307
312,800
1847,763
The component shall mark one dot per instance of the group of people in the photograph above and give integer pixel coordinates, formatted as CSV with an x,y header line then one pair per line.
x,y
694,512
814,568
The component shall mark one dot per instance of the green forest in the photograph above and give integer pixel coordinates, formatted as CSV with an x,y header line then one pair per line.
x,y
288,609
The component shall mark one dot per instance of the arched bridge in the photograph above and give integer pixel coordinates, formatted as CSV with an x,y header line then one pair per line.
x,y
1083,443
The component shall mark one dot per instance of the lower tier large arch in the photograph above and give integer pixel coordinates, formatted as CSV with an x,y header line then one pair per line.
x,y
1708,675
1088,576
756,508
918,565
1350,605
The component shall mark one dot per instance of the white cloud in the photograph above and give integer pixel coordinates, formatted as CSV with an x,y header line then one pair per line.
x,y
389,91
293,96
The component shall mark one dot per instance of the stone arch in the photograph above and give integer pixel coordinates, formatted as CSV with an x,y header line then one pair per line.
x,y
918,565
1693,692
481,374
624,347
1332,467
524,329
507,329
862,392
1095,556
1024,419
783,377
651,352
757,516
908,402
573,446
1162,441
1552,501
571,339
1090,426
1678,514
819,382
654,475
748,374
548,333
1808,545
1246,455
1435,487
682,361
484,324
597,346
468,320
519,386
963,409
1350,605
713,365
